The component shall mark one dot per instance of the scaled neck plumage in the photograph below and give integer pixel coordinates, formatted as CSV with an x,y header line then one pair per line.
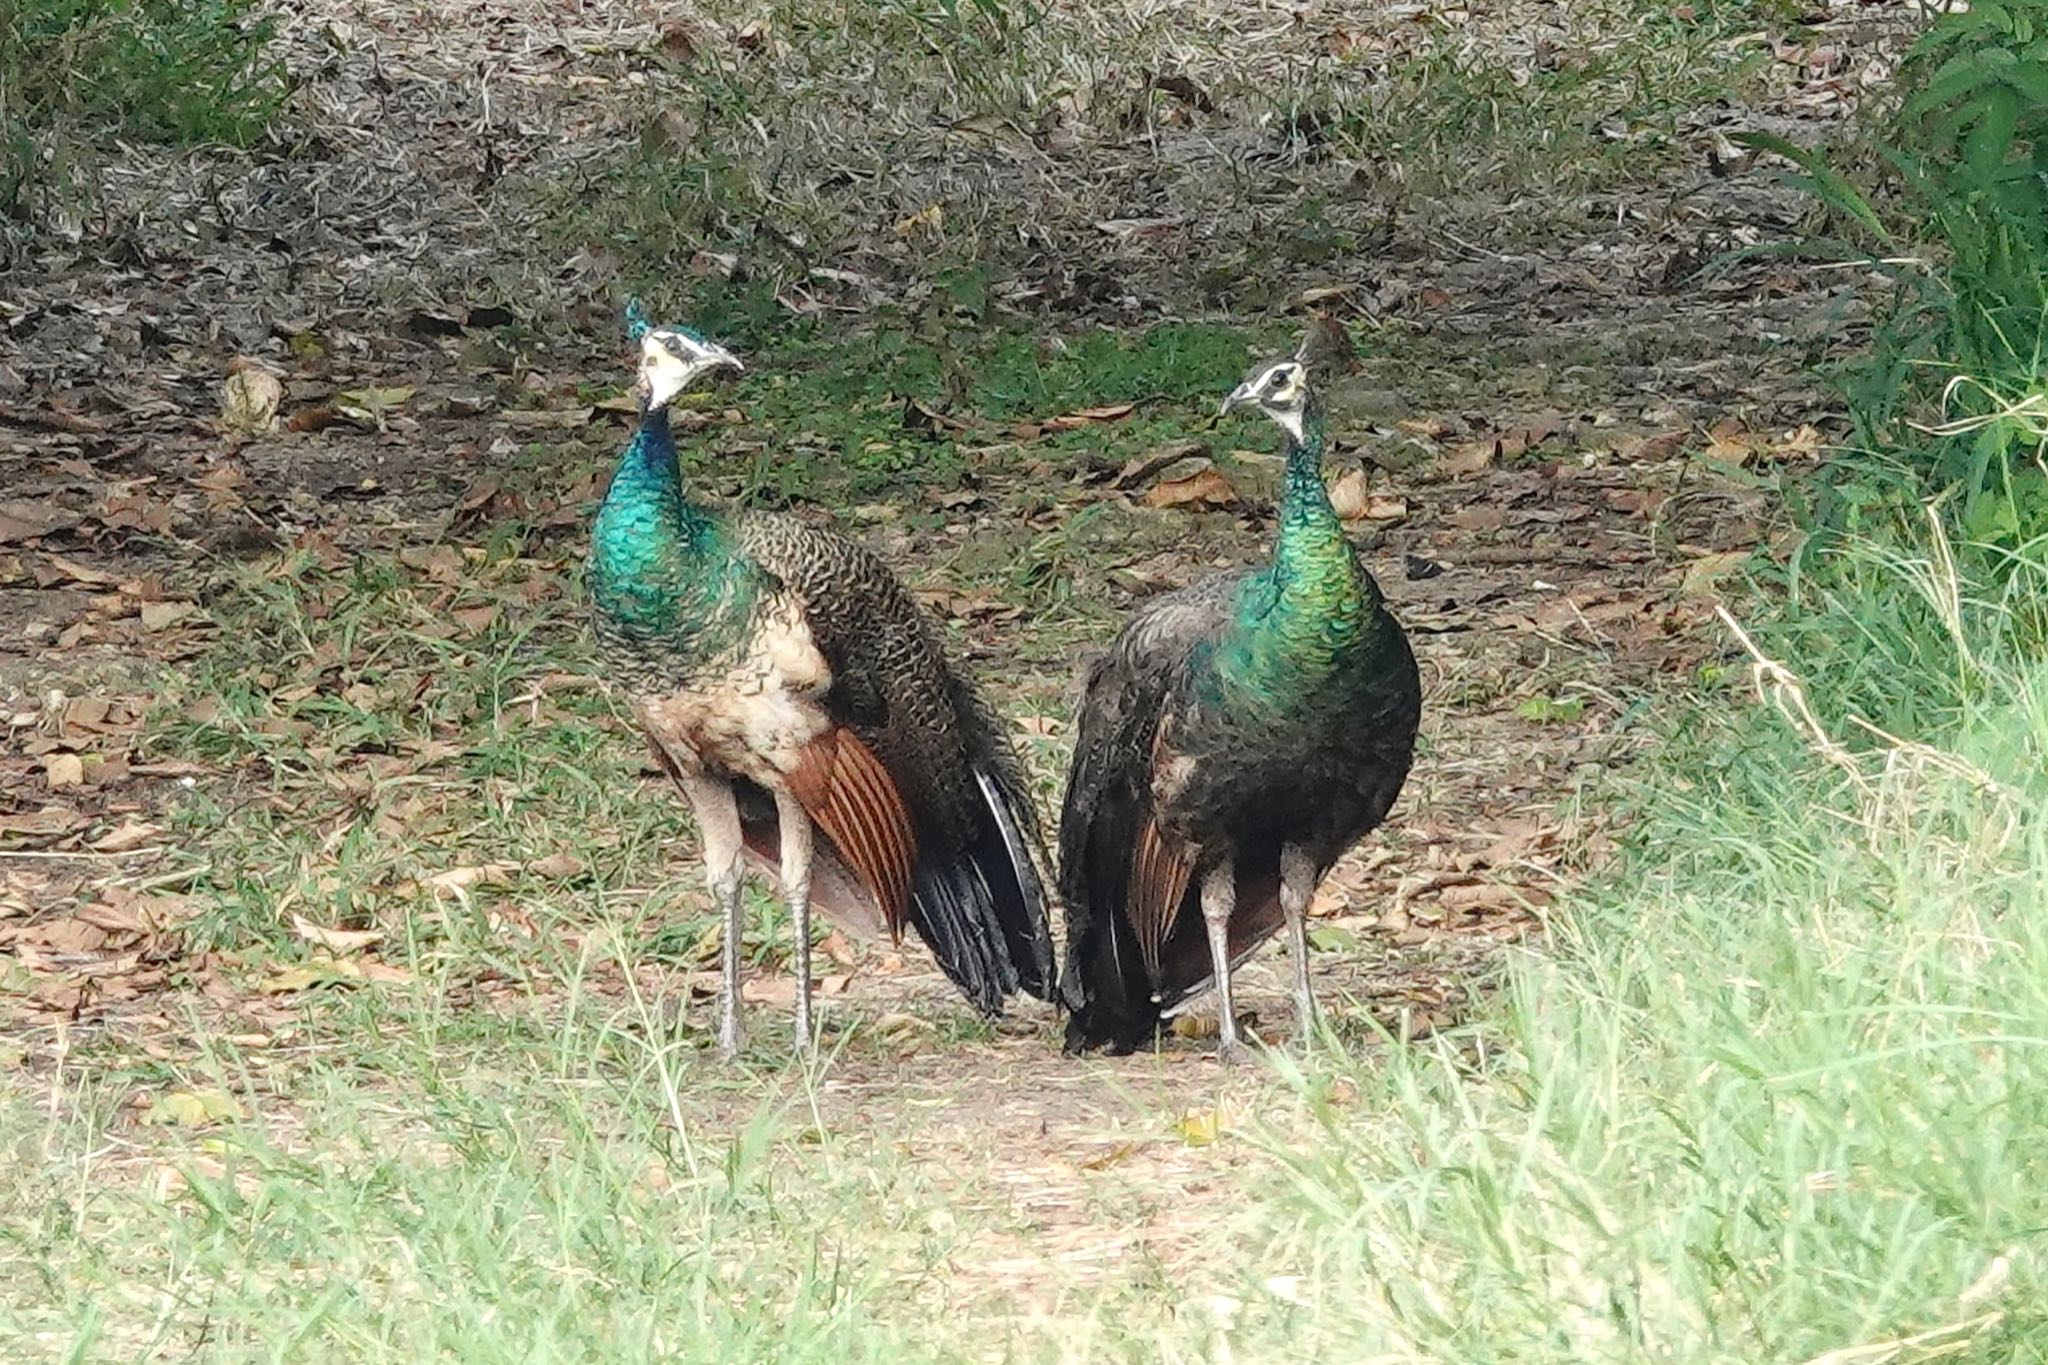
x,y
650,474
1304,615
660,565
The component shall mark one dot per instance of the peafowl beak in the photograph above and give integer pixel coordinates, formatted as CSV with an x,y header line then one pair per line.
x,y
715,357
1236,398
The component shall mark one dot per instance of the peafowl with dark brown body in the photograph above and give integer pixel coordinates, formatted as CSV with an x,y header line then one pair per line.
x,y
1236,739
792,688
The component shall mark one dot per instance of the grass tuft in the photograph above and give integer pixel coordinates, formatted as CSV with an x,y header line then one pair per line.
x,y
1772,1099
74,71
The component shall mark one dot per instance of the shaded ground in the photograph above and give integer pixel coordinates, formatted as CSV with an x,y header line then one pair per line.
x,y
218,806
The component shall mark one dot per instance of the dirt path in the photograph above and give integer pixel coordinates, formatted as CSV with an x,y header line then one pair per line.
x,y
1570,443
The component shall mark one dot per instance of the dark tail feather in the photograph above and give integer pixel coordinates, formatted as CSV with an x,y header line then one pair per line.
x,y
953,912
1108,990
1106,987
982,911
1003,849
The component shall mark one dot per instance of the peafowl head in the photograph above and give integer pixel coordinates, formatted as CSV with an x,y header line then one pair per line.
x,y
1280,389
672,359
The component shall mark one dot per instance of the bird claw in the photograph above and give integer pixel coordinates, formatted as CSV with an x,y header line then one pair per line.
x,y
1307,1024
1232,1052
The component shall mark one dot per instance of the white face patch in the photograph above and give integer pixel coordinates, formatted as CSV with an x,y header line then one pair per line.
x,y
670,361
1281,386
664,374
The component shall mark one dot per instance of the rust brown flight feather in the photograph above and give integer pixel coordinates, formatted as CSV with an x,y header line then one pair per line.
x,y
846,790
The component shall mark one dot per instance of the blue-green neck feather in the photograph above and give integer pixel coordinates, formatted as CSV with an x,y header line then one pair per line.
x,y
1308,615
661,569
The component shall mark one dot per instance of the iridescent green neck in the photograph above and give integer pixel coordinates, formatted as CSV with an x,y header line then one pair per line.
x,y
1311,547
659,564
1304,616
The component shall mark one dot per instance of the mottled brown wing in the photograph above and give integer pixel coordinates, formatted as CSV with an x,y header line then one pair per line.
x,y
974,895
1124,883
847,792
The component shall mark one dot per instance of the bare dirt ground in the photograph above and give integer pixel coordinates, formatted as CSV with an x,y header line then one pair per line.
x,y
1571,437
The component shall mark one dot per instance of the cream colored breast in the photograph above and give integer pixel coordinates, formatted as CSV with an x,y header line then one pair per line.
x,y
755,717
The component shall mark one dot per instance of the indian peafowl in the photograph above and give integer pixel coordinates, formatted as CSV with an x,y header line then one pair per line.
x,y
789,685
1237,738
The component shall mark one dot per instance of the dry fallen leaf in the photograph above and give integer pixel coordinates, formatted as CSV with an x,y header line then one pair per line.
x,y
1354,501
1156,461
476,620
367,406
335,940
1326,345
76,572
1804,443
1728,443
49,820
1469,458
158,616
1071,421
1203,488
459,879
557,865
1480,897
929,220
337,971
781,990
836,947
194,1109
1704,574
900,1027
1650,449
23,519
1202,1127
249,400
551,417
125,837
1109,1158
63,770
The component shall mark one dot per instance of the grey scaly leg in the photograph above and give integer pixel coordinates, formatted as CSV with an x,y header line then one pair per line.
x,y
1219,899
1297,886
796,889
718,822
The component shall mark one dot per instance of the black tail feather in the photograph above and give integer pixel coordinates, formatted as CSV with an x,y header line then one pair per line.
x,y
1114,1001
1108,991
982,911
1005,850
950,908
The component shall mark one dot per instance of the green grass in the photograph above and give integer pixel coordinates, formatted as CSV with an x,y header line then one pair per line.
x,y
1781,1090
73,72
1777,1091
963,146
409,1181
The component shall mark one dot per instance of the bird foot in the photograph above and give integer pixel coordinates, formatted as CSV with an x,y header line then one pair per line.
x,y
730,1040
1233,1052
1307,1025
